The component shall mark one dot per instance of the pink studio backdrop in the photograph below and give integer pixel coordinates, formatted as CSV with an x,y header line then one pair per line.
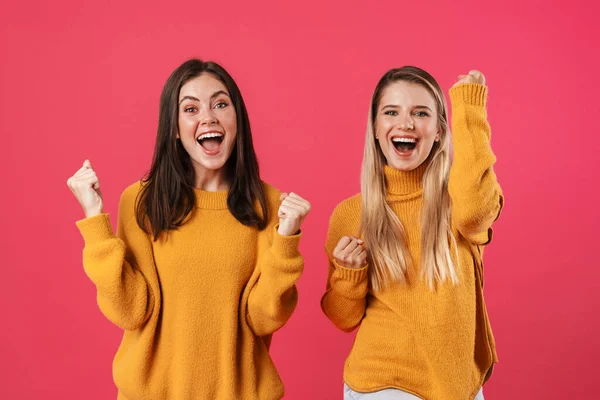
x,y
83,80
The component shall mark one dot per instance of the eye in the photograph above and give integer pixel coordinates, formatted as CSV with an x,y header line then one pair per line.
x,y
189,109
391,113
421,114
221,104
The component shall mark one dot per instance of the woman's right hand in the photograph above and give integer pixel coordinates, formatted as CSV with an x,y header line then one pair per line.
x,y
86,188
350,252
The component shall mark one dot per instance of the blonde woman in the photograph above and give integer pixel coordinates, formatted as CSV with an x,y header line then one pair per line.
x,y
406,254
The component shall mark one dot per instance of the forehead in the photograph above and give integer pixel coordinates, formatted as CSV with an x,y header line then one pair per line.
x,y
406,94
202,86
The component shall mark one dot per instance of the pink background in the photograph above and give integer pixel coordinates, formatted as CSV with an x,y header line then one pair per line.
x,y
83,81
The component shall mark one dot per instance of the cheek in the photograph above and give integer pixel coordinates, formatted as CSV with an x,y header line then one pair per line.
x,y
231,121
382,126
187,125
429,131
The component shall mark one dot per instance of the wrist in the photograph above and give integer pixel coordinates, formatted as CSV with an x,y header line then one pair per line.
x,y
93,213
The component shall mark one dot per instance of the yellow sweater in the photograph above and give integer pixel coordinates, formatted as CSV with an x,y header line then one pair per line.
x,y
199,308
436,345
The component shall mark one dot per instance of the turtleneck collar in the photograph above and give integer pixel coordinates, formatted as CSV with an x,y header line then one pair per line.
x,y
403,183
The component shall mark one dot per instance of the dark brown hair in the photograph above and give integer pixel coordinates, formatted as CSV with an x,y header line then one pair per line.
x,y
167,196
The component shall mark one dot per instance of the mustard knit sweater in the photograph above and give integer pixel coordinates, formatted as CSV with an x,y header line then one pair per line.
x,y
437,345
198,308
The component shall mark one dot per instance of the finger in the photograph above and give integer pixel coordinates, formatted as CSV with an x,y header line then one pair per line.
x,y
83,172
87,184
342,244
296,196
362,259
80,170
302,205
299,198
350,247
479,77
93,179
294,199
282,196
359,240
287,212
357,252
461,80
87,164
85,175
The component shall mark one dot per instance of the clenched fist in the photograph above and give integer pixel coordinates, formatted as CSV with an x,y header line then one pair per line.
x,y
350,252
86,188
473,76
292,211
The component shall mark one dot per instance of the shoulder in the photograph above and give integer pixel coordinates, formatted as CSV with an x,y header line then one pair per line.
x,y
349,208
128,201
271,193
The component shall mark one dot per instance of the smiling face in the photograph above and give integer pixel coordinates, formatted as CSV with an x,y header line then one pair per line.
x,y
207,122
406,124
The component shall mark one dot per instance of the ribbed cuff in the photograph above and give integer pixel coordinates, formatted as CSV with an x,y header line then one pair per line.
x,y
287,246
96,228
354,275
468,93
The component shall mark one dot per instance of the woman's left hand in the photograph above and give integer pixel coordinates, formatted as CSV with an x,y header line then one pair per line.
x,y
473,76
292,211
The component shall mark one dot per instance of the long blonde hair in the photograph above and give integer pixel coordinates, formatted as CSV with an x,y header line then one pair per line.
x,y
382,230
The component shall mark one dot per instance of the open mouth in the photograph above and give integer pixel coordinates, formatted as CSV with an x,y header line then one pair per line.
x,y
405,144
210,141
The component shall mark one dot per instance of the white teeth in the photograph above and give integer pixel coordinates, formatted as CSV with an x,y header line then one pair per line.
x,y
209,135
404,139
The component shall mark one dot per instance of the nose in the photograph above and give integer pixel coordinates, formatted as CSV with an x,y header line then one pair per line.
x,y
207,117
406,122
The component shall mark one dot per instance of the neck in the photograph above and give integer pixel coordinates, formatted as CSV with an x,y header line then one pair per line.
x,y
210,180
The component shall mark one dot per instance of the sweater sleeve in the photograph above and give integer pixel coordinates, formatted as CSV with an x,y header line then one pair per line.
x,y
273,296
116,264
477,198
344,301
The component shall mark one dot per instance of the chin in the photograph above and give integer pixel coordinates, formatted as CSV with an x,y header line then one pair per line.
x,y
403,166
213,165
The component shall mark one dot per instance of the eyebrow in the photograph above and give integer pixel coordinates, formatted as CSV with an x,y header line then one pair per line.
x,y
188,98
395,106
215,94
